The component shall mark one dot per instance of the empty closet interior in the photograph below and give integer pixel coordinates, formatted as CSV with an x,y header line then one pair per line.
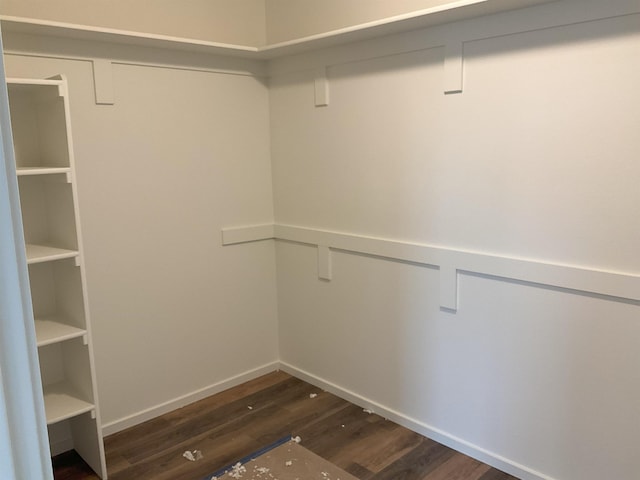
x,y
427,208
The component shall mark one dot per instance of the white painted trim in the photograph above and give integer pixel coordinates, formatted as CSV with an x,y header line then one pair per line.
x,y
179,402
376,24
448,288
135,49
537,18
55,82
321,87
253,233
451,262
86,32
324,263
67,49
417,426
440,14
574,277
453,67
103,81
41,46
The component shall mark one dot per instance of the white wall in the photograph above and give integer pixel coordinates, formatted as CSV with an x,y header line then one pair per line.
x,y
180,154
239,22
536,159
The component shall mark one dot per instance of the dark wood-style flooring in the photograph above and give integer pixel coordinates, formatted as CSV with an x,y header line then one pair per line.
x,y
239,421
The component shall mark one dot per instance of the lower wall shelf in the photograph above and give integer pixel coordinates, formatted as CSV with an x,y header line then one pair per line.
x,y
61,402
44,253
52,330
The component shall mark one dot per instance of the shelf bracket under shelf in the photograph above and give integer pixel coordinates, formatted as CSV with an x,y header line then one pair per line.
x,y
448,288
58,176
324,262
453,67
321,86
103,82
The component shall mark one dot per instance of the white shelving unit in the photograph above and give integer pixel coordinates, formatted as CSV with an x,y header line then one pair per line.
x,y
44,163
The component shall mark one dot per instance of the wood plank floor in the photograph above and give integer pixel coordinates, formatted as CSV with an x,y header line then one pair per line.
x,y
239,421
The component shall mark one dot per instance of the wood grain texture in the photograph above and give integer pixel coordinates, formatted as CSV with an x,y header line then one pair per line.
x,y
239,421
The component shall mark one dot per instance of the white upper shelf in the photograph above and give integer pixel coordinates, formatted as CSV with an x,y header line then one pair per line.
x,y
446,13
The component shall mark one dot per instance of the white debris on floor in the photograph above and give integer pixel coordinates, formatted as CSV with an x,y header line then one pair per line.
x,y
297,439
260,473
193,456
366,410
237,470
288,463
249,407
313,395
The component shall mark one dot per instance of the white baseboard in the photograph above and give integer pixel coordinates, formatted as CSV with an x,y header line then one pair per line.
x,y
474,451
148,414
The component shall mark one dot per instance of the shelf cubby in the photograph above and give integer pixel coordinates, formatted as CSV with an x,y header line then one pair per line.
x,y
61,402
39,123
48,216
56,292
66,379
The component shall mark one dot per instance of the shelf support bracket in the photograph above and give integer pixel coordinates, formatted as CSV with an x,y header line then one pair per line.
x,y
63,91
321,86
324,263
453,67
103,82
448,288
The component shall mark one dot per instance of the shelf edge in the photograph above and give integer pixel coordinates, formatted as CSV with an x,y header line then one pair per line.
x,y
78,31
60,391
71,332
53,254
423,18
30,171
